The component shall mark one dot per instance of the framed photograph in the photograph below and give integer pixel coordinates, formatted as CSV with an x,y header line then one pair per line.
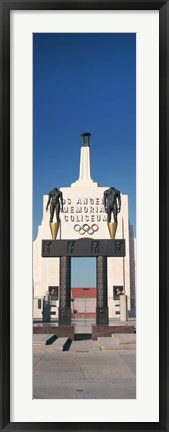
x,y
20,21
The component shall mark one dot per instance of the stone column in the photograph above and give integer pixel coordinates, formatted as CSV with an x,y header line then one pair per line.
x,y
101,288
65,288
123,308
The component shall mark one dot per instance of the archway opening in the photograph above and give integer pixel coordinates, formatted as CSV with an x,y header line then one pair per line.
x,y
83,289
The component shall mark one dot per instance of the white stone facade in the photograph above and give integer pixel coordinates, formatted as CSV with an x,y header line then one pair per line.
x,y
83,204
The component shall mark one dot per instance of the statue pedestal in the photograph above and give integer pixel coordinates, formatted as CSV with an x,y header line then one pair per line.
x,y
123,308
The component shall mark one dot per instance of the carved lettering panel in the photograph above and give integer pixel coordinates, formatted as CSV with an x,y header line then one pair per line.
x,y
118,247
46,248
87,247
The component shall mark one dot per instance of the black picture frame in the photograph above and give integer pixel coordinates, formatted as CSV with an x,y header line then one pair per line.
x,y
5,8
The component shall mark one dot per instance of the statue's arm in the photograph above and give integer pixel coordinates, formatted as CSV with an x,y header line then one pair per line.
x,y
61,200
119,202
105,200
48,202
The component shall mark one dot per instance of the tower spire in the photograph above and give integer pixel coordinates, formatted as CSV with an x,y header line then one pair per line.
x,y
85,166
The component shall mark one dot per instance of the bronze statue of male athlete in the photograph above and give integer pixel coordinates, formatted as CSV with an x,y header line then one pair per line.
x,y
55,197
111,197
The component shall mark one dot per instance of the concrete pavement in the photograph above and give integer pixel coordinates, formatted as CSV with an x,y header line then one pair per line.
x,y
102,369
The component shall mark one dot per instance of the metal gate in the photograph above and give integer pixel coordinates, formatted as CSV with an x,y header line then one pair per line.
x,y
84,308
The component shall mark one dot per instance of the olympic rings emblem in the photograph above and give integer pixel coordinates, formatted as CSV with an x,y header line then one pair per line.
x,y
85,228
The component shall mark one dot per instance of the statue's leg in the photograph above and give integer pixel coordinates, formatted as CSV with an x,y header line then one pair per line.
x,y
51,212
115,212
57,212
109,214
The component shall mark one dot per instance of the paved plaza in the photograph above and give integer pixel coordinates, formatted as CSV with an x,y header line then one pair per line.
x,y
84,369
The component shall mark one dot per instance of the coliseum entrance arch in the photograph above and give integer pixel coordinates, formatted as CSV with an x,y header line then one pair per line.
x,y
66,249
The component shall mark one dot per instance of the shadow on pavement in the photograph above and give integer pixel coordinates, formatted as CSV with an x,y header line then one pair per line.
x,y
82,336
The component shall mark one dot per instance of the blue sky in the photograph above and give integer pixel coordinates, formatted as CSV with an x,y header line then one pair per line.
x,y
84,82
